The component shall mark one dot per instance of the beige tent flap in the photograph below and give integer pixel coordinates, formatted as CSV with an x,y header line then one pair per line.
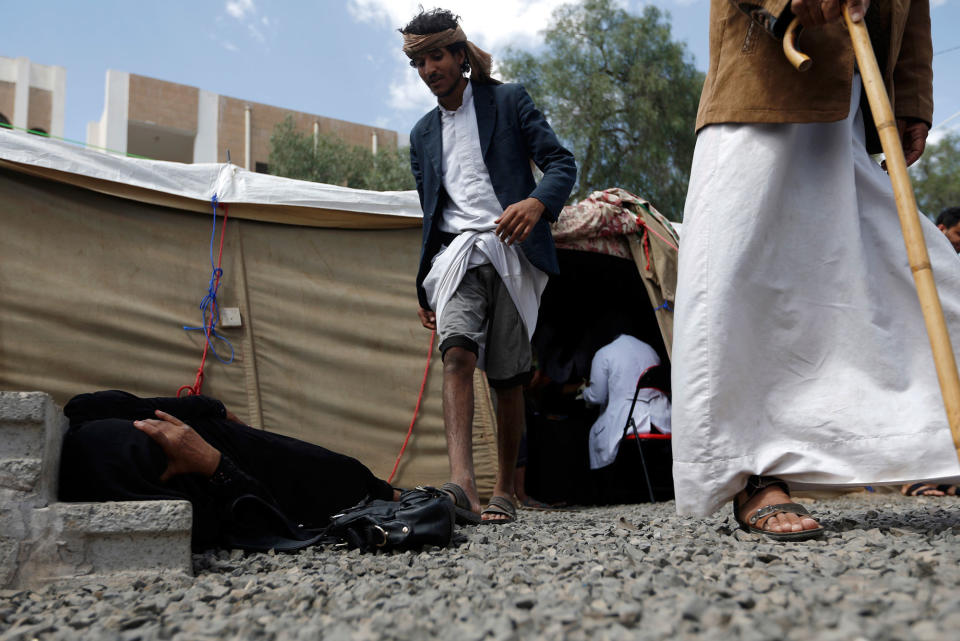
x,y
95,290
655,251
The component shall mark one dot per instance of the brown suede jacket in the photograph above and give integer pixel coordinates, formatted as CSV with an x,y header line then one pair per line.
x,y
750,81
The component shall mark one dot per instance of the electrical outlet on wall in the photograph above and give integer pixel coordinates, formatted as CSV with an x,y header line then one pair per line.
x,y
230,317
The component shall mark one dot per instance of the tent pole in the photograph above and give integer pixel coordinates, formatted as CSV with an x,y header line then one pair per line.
x,y
917,255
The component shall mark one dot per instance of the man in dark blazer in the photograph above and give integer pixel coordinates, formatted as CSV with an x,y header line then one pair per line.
x,y
471,157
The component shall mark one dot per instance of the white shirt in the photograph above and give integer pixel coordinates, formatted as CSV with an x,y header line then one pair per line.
x,y
471,209
472,204
614,373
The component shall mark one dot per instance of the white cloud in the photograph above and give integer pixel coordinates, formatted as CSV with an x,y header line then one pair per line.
x,y
259,28
493,25
239,9
255,34
408,93
490,24
938,133
229,46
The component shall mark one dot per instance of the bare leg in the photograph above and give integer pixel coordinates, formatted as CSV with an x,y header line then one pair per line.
x,y
509,431
519,482
458,367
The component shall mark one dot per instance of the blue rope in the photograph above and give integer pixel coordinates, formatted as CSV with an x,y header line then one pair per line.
x,y
208,305
666,306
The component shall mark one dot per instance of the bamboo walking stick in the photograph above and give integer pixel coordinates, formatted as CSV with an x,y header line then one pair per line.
x,y
917,254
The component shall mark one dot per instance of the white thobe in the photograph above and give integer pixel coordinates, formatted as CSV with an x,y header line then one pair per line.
x,y
799,346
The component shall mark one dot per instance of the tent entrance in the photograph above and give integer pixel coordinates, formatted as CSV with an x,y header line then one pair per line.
x,y
595,298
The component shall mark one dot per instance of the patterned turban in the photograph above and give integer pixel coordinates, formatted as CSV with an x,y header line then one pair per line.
x,y
416,45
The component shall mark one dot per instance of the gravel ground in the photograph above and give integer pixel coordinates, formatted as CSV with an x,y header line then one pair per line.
x,y
888,569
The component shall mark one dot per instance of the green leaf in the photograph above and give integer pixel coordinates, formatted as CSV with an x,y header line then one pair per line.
x,y
621,94
936,176
295,154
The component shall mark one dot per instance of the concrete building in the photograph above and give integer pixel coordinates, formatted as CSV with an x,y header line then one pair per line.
x,y
32,95
168,121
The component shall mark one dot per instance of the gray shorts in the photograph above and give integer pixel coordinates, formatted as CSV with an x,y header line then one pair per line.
x,y
481,312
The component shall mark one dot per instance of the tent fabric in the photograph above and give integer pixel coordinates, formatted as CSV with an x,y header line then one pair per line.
x,y
618,223
191,186
95,290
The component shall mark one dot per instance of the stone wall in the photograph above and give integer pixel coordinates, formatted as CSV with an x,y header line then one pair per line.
x,y
163,103
43,541
8,91
40,110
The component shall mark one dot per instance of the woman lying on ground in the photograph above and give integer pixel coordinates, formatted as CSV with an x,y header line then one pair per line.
x,y
249,488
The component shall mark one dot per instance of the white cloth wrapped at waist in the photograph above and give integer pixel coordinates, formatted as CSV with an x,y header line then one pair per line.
x,y
523,281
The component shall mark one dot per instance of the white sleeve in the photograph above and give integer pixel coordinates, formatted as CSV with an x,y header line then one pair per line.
x,y
596,392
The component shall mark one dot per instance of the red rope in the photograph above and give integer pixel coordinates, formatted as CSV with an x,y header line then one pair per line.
x,y
646,246
194,390
668,242
416,410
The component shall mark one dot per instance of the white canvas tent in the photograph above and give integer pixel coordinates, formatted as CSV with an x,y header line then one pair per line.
x,y
104,259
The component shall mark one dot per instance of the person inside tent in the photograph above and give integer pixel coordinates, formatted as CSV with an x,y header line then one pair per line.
x,y
633,410
249,488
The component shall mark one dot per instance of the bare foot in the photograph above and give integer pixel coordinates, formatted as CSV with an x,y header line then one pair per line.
x,y
928,489
469,488
501,509
781,523
503,491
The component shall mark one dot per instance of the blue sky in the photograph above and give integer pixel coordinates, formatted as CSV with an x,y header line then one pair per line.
x,y
333,58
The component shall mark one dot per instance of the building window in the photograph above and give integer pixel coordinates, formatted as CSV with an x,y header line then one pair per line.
x,y
261,167
4,121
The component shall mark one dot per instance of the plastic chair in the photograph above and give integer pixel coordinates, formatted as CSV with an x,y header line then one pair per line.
x,y
653,377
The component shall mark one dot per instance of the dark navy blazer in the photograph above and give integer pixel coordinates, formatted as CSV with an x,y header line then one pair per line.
x,y
512,132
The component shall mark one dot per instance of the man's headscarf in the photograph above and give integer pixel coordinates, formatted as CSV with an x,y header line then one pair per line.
x,y
417,45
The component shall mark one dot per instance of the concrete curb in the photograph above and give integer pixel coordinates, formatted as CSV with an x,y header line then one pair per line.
x,y
43,541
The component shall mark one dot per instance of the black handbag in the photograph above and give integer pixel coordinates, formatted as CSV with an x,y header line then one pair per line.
x,y
423,516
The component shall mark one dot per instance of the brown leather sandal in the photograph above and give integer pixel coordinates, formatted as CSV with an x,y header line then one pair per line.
x,y
461,504
501,506
754,485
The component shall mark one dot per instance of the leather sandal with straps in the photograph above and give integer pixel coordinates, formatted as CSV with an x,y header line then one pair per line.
x,y
461,504
500,506
754,485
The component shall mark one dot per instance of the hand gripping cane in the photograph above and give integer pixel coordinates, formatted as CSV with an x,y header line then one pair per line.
x,y
917,254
